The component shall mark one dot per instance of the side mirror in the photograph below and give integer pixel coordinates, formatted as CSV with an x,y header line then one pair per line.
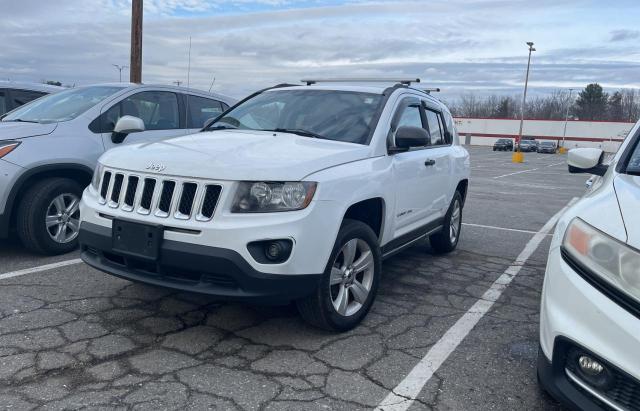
x,y
586,160
407,137
125,126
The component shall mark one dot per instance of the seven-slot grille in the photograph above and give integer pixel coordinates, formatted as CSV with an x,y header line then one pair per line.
x,y
162,197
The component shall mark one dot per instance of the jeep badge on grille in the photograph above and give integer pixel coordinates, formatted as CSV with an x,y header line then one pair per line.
x,y
155,167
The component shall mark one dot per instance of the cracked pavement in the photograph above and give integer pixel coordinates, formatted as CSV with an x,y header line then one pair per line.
x,y
75,338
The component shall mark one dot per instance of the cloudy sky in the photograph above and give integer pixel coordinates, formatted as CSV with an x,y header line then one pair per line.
x,y
458,45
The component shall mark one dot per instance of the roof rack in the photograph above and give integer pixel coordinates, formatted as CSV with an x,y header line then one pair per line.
x,y
361,80
430,90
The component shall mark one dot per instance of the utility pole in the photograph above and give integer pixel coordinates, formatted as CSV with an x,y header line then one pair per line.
x,y
517,156
120,68
136,42
566,117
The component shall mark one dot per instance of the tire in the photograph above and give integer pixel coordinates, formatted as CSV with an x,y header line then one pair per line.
x,y
39,206
446,240
319,309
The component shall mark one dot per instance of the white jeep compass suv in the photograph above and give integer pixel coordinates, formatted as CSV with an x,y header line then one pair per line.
x,y
296,193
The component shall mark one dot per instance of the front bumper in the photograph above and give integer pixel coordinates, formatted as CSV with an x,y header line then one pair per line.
x,y
574,314
215,271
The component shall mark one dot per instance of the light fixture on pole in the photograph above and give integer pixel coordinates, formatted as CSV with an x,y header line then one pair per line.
x,y
120,68
518,157
566,119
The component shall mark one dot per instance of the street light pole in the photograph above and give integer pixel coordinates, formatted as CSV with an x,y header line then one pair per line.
x,y
524,97
120,68
566,117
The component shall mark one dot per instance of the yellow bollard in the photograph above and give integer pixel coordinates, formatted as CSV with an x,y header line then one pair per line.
x,y
562,150
517,157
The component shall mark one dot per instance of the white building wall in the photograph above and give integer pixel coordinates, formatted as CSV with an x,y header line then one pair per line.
x,y
606,135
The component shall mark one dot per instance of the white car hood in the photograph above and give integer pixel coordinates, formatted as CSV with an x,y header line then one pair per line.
x,y
11,130
237,155
628,193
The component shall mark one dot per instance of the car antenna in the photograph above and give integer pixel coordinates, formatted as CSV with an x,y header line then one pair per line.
x,y
212,81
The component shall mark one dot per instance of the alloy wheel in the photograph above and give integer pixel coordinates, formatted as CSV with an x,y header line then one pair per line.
x,y
454,226
62,220
351,277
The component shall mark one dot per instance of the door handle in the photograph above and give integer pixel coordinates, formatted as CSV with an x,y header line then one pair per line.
x,y
429,162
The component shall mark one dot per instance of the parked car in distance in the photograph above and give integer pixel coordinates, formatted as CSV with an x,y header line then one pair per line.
x,y
590,311
503,144
528,145
547,147
13,94
49,147
295,194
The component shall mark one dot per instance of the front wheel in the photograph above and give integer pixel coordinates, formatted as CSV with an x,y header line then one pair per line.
x,y
446,240
48,219
349,283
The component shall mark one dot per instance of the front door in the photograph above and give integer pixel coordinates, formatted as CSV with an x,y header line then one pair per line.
x,y
159,110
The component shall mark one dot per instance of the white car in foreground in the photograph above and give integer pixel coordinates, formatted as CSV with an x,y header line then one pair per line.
x,y
590,315
296,193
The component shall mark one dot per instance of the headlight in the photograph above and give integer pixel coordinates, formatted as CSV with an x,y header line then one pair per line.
x,y
7,146
264,197
97,174
615,262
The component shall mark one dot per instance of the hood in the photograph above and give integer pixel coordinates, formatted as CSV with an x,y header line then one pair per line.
x,y
12,130
628,193
237,155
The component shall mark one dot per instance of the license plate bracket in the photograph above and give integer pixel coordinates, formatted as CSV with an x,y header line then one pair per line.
x,y
136,239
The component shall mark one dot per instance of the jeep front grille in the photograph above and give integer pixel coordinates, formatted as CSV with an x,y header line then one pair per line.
x,y
178,198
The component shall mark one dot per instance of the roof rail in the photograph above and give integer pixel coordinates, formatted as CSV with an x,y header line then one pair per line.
x,y
430,90
361,80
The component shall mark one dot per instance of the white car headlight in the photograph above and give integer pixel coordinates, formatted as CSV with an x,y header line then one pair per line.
x,y
610,259
97,174
264,197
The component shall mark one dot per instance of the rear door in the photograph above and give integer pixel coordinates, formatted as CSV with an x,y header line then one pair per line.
x,y
159,110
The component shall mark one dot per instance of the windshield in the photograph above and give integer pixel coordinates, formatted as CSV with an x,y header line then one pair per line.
x,y
329,114
62,106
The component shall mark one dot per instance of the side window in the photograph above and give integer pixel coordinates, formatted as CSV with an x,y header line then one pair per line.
x,y
410,117
3,102
21,97
450,128
157,109
202,109
435,128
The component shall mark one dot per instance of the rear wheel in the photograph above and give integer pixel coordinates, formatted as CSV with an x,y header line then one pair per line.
x,y
48,219
446,240
349,283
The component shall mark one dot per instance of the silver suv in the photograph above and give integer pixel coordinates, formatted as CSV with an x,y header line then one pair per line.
x,y
49,148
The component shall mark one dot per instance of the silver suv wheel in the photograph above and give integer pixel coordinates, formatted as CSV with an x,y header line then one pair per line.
x,y
454,226
351,277
63,218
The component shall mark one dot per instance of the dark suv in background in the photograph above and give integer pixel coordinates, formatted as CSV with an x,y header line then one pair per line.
x,y
503,144
528,145
14,94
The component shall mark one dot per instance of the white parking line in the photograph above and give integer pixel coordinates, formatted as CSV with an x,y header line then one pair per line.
x,y
556,164
405,393
501,228
517,172
39,268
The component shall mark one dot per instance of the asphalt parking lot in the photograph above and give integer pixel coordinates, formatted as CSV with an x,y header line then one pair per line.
x,y
72,337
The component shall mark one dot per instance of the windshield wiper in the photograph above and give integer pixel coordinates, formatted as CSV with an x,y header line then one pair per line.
x,y
221,128
298,131
21,121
